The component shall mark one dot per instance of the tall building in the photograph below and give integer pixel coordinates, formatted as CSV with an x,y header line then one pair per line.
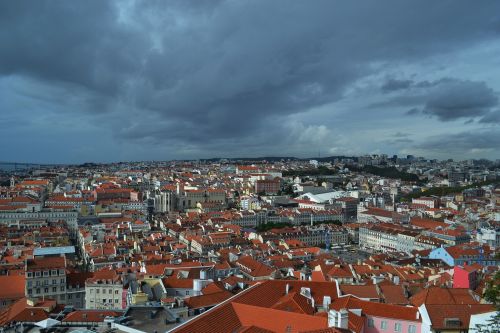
x,y
46,278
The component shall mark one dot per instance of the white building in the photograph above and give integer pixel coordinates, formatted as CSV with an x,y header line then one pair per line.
x,y
105,293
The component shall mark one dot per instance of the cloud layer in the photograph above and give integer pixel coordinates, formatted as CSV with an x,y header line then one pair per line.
x,y
191,79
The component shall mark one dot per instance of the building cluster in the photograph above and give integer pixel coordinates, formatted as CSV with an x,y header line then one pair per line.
x,y
364,245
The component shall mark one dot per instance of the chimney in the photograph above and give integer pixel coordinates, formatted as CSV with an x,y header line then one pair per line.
x,y
343,318
287,288
327,300
332,318
418,314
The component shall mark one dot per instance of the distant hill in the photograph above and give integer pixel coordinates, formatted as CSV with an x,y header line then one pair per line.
x,y
276,159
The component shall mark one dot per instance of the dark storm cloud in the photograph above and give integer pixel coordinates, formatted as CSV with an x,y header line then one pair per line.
x,y
492,117
446,99
207,71
464,142
400,135
395,84
456,99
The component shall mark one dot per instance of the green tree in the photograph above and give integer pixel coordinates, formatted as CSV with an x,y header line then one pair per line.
x,y
492,292
492,295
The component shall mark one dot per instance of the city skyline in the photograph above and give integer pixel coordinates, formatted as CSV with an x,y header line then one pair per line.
x,y
114,81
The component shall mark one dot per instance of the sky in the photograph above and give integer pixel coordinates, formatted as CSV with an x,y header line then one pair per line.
x,y
104,81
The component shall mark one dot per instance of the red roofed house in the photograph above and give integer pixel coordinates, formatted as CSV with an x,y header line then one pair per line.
x,y
347,311
46,278
254,270
466,276
105,291
14,291
270,306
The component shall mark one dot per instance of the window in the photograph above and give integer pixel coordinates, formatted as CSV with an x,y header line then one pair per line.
x,y
30,283
412,329
104,291
110,291
383,325
53,272
46,290
37,274
54,281
370,322
70,296
187,292
37,290
54,289
110,301
62,281
116,301
397,327
97,291
30,274
62,288
30,291
116,292
46,273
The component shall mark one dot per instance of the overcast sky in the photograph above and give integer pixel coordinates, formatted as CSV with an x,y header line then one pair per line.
x,y
140,80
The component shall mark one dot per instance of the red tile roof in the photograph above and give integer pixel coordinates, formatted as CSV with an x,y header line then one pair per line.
x,y
41,263
443,296
377,309
367,291
208,300
91,316
15,289
393,294
252,308
440,313
20,311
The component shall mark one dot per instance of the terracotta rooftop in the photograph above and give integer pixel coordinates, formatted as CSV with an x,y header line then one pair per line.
x,y
41,263
443,296
15,289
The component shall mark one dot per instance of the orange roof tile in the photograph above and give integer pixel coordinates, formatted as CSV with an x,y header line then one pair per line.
x,y
15,289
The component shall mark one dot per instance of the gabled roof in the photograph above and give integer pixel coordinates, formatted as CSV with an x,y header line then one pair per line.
x,y
203,301
276,320
441,315
20,311
377,309
393,294
294,302
443,296
361,291
252,310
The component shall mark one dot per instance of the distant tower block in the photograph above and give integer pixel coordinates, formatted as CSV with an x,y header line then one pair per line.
x,y
12,182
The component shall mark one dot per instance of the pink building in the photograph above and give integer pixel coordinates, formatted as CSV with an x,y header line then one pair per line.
x,y
466,276
370,317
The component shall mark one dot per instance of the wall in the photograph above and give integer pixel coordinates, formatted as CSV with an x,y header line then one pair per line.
x,y
390,325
